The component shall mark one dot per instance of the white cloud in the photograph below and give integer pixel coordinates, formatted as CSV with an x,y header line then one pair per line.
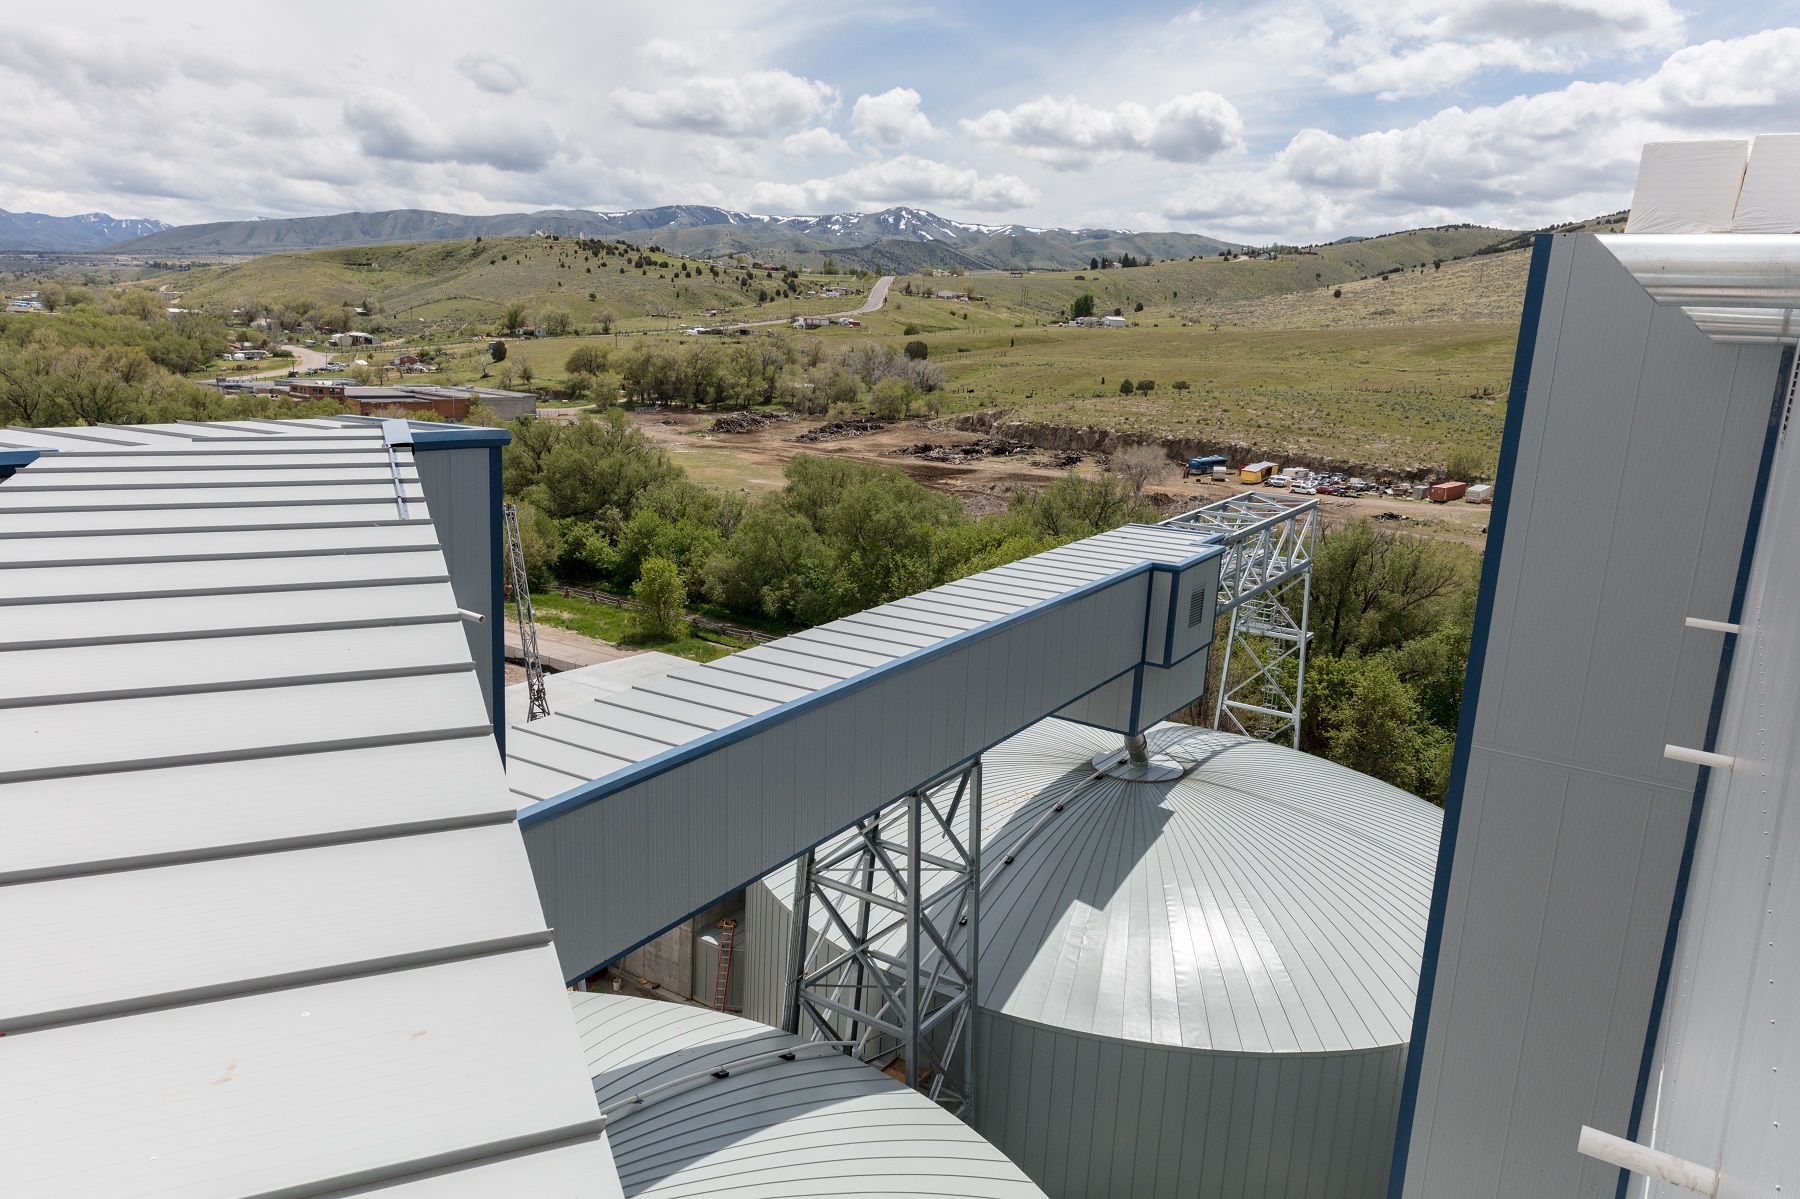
x,y
1532,160
390,127
756,104
492,72
1416,47
814,143
892,118
1069,135
670,55
906,179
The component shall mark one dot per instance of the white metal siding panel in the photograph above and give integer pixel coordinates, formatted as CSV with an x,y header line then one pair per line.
x,y
208,1100
1627,505
268,925
1724,1094
187,811
99,939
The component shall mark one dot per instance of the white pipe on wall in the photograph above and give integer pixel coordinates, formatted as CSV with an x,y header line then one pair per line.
x,y
1641,1159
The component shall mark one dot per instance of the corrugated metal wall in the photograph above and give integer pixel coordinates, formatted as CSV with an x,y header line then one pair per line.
x,y
611,872
1625,490
767,925
1723,1092
458,489
1092,1118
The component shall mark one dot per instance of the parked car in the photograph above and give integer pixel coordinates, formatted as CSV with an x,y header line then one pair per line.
x,y
1279,481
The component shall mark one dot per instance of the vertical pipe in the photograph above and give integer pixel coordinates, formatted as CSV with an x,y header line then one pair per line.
x,y
1300,673
1225,669
1137,749
864,911
972,945
790,1007
910,1018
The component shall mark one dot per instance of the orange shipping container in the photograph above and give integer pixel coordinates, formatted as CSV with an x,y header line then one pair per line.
x,y
1443,493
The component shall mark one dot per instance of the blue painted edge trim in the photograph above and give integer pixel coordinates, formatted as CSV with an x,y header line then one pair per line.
x,y
1465,725
497,595
679,755
1715,717
18,458
431,435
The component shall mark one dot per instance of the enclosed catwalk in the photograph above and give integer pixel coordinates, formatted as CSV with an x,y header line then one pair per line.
x,y
1195,987
699,1103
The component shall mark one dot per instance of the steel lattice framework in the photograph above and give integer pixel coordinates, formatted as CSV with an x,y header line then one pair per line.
x,y
913,1009
521,586
1266,585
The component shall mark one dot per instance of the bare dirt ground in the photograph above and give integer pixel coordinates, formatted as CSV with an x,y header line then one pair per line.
x,y
753,462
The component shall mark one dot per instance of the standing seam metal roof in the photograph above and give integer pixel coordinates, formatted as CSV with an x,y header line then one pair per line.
x,y
1268,902
816,1126
268,924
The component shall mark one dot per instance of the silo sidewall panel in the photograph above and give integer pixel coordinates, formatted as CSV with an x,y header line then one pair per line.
x,y
1091,1117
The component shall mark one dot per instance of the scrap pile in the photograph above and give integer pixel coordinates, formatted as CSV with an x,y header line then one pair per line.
x,y
855,427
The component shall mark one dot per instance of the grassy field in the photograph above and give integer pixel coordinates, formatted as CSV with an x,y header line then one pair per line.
x,y
439,285
1392,351
604,622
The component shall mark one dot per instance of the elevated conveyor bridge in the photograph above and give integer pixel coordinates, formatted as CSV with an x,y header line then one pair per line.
x,y
644,806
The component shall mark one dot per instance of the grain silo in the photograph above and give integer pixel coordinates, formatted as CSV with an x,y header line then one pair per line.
x,y
700,1103
1199,986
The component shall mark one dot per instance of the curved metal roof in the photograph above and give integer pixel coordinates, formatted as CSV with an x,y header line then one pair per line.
x,y
1268,902
820,1125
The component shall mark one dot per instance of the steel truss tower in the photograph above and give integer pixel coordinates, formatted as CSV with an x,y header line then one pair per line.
x,y
1266,585
893,971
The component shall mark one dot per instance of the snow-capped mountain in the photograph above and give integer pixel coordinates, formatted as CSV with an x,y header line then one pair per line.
x,y
89,231
902,238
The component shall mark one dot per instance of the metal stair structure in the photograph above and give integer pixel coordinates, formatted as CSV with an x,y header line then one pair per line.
x,y
722,972
521,589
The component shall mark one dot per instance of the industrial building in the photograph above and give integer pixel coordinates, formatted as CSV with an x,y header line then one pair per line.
x,y
292,905
1199,985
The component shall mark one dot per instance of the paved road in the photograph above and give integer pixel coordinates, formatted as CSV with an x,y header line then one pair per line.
x,y
877,297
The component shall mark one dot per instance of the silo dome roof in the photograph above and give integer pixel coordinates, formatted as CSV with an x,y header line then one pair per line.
x,y
1267,902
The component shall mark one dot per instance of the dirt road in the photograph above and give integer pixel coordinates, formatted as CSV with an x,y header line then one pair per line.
x,y
753,462
304,360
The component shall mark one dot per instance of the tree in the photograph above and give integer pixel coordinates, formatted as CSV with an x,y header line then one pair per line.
x,y
1374,590
497,350
1362,714
1466,464
658,595
1140,306
587,360
1138,465
891,398
608,318
1093,264
1180,385
918,351
1125,387
1146,386
556,321
513,317
911,331
1083,306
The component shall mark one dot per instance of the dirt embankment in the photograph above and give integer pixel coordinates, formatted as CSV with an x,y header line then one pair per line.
x,y
1088,439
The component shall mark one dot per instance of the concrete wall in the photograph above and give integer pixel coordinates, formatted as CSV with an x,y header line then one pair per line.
x,y
1631,454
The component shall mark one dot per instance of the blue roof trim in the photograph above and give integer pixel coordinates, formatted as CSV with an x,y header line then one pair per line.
x,y
679,755
12,460
1465,725
1715,717
433,435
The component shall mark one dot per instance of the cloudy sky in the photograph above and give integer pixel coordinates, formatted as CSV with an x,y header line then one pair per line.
x,y
1305,120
